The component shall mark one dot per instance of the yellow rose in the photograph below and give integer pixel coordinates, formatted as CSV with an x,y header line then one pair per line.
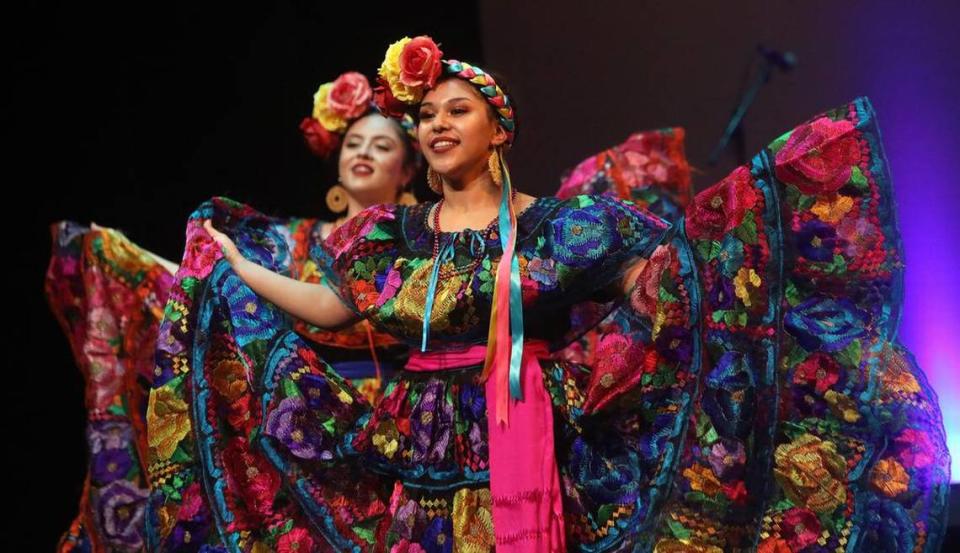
x,y
390,71
168,422
330,120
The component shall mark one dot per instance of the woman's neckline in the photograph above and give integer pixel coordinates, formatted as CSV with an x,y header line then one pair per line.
x,y
428,219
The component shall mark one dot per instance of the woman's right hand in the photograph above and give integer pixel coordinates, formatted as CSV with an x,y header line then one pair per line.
x,y
229,249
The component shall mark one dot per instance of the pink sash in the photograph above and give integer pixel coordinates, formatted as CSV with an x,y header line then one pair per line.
x,y
524,481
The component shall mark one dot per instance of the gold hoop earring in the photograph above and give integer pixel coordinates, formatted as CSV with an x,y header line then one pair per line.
x,y
493,163
434,181
407,198
337,199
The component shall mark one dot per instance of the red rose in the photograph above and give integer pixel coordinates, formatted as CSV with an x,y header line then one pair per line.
x,y
320,141
420,62
385,101
819,156
720,208
350,95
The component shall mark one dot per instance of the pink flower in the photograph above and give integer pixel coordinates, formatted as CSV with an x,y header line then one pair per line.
x,y
202,252
916,451
350,96
192,502
420,62
819,156
800,527
858,236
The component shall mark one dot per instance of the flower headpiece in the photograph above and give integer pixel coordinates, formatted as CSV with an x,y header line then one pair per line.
x,y
336,105
412,66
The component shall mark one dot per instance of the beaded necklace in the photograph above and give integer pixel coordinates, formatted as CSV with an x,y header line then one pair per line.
x,y
477,253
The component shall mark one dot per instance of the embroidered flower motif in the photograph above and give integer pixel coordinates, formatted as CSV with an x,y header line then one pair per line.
x,y
816,241
110,465
298,430
202,252
819,156
121,507
745,283
842,406
386,439
297,540
702,479
229,379
889,477
579,236
727,457
543,271
812,473
252,477
858,236
721,208
431,421
168,421
832,210
915,448
818,370
825,323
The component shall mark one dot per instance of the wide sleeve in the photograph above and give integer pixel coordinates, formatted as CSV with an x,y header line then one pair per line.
x,y
355,258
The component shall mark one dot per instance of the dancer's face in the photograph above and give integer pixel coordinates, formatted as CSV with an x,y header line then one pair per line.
x,y
457,130
373,161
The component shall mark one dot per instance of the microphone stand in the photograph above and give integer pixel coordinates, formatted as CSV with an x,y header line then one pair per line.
x,y
734,128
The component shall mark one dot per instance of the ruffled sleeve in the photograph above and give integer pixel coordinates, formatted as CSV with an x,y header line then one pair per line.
x,y
356,257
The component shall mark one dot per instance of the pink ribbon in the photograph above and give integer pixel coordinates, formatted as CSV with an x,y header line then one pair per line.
x,y
524,480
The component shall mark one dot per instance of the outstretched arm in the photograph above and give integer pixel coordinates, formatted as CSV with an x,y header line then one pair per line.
x,y
314,303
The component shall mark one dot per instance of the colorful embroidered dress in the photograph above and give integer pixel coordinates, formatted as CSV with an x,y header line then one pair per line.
x,y
751,398
109,296
650,169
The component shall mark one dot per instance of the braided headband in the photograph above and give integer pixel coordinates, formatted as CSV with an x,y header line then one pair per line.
x,y
411,68
336,105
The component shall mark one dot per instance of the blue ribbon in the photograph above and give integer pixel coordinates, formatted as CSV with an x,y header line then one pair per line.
x,y
445,254
516,298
